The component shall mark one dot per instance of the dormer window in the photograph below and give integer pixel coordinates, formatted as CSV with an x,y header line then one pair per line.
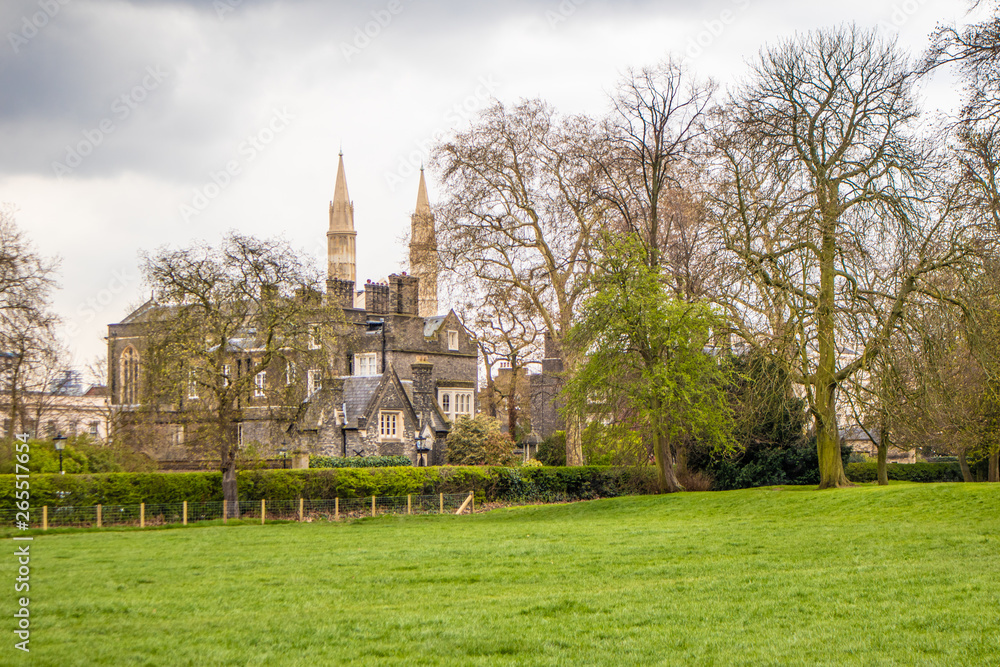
x,y
452,340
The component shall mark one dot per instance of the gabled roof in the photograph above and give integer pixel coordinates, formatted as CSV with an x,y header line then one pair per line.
x,y
388,382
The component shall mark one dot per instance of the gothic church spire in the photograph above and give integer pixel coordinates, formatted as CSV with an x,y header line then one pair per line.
x,y
341,237
423,251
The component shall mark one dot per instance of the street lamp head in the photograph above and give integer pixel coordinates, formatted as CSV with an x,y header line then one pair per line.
x,y
59,441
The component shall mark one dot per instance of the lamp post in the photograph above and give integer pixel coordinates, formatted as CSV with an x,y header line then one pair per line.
x,y
284,457
60,442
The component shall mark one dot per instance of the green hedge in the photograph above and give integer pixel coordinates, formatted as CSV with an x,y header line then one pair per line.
x,y
489,483
358,461
867,471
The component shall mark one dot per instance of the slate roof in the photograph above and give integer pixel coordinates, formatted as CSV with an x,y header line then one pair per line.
x,y
358,393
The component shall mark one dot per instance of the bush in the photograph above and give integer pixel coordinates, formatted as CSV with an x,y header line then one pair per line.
x,y
81,455
765,466
490,483
358,461
479,441
552,450
907,472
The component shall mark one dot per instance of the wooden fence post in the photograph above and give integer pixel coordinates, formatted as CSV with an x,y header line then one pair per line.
x,y
262,511
223,512
185,513
98,516
373,505
441,511
409,503
465,504
301,503
45,517
473,492
142,515
336,508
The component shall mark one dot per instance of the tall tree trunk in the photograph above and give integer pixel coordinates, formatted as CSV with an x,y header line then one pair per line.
x,y
995,466
883,448
883,451
512,408
666,478
229,493
574,441
831,465
963,463
574,429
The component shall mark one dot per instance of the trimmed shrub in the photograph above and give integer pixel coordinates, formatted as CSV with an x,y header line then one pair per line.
x,y
867,471
490,483
358,461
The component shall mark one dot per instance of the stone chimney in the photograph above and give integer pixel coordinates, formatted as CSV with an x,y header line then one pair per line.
x,y
552,363
403,294
376,299
423,386
340,292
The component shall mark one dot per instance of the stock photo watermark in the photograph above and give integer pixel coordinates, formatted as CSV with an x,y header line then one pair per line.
x,y
31,25
901,14
121,108
712,29
365,34
246,152
563,11
22,521
89,309
457,114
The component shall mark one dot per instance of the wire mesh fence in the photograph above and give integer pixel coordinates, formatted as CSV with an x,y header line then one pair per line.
x,y
159,514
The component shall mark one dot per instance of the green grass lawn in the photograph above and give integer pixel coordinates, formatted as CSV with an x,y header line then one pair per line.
x,y
906,574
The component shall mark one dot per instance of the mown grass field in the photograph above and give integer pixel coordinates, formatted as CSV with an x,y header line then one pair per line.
x,y
906,574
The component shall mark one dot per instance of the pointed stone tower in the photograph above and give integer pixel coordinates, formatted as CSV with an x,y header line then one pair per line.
x,y
423,252
340,238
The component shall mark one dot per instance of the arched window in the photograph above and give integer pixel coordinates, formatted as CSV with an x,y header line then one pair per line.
x,y
128,368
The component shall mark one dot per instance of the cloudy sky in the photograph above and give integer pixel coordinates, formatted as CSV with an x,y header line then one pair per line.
x,y
125,126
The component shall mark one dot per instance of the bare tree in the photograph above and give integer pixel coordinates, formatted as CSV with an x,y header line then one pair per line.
x,y
507,338
832,221
649,141
27,323
521,212
224,315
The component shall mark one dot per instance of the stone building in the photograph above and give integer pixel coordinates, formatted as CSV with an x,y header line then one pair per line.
x,y
391,383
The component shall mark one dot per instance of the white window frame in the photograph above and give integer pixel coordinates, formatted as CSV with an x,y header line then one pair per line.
x,y
315,341
314,378
365,364
390,425
289,373
192,392
225,375
452,339
239,435
260,385
456,402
